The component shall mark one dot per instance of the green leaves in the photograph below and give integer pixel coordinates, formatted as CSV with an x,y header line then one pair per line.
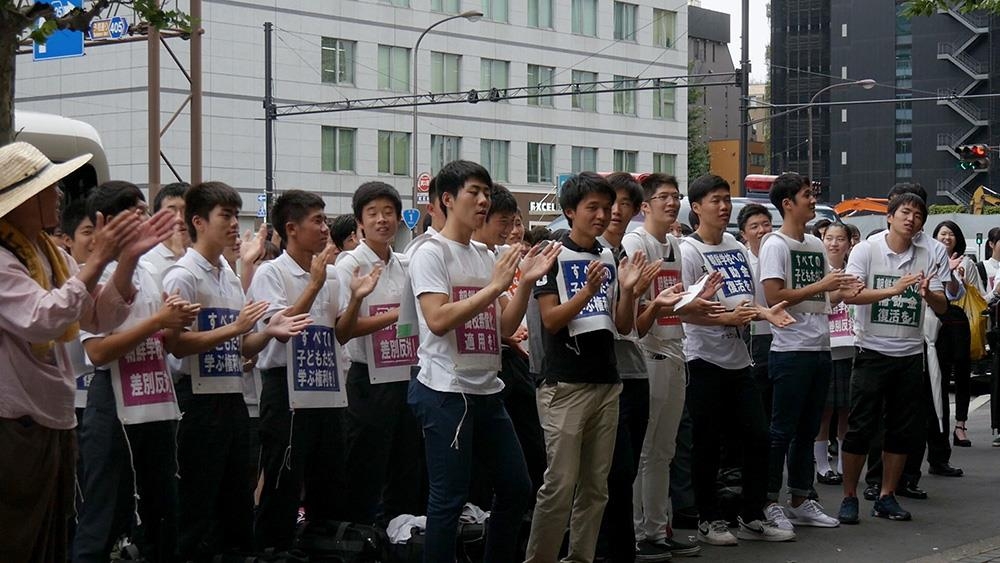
x,y
931,7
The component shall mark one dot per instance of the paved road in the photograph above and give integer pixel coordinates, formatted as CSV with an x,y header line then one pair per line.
x,y
959,522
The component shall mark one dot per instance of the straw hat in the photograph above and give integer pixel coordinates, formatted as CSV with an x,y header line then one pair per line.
x,y
25,171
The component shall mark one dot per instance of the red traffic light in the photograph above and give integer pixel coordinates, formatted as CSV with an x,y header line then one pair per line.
x,y
979,150
970,153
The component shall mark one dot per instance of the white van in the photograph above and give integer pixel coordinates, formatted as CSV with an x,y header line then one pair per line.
x,y
60,139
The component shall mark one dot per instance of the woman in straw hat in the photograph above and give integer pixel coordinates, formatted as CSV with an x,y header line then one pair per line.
x,y
45,298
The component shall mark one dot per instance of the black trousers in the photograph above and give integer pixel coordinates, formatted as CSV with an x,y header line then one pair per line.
x,y
216,501
303,464
681,485
384,451
724,402
522,408
617,541
108,487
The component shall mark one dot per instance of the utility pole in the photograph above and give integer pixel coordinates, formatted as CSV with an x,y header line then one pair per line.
x,y
153,110
269,117
744,94
196,94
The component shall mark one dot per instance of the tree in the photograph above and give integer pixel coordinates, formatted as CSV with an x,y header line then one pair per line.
x,y
698,159
930,7
17,21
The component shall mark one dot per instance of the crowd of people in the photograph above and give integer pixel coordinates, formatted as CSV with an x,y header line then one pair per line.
x,y
586,390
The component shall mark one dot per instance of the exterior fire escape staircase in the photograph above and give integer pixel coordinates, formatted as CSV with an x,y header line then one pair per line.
x,y
958,188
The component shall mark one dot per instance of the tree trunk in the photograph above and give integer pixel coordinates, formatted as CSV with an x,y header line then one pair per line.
x,y
8,61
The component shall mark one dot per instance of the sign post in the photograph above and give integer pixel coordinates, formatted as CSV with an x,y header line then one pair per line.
x,y
423,189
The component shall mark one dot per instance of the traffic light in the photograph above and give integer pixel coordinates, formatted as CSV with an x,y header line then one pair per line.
x,y
974,157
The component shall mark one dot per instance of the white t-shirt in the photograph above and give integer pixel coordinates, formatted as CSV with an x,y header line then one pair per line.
x,y
991,265
642,240
417,242
758,328
720,345
158,260
393,275
811,331
430,272
281,282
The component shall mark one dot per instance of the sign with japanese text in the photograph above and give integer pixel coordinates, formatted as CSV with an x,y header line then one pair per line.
x,y
808,268
479,334
899,310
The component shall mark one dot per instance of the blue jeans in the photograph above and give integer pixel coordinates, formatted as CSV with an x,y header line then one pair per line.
x,y
458,430
801,382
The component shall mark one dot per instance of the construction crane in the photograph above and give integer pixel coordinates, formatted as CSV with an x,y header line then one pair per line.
x,y
982,196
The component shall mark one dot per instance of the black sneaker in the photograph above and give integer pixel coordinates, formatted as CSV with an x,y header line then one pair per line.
x,y
873,491
848,511
651,552
887,507
676,547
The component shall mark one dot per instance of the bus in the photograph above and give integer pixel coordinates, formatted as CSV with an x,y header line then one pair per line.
x,y
61,139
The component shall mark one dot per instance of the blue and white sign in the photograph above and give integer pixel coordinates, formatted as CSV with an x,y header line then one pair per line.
x,y
560,180
314,360
63,43
113,28
411,217
262,206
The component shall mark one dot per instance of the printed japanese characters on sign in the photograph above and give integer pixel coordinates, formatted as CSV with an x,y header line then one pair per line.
x,y
388,350
314,360
83,381
224,360
807,268
144,374
900,310
479,334
575,274
736,275
665,279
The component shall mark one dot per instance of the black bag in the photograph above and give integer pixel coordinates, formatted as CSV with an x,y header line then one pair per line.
x,y
342,542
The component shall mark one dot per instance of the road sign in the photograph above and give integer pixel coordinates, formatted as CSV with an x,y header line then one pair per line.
x,y
424,182
63,43
411,217
111,28
560,180
262,197
423,198
262,211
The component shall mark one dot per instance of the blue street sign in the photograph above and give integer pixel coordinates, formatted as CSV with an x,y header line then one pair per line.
x,y
261,197
62,43
113,28
411,217
560,180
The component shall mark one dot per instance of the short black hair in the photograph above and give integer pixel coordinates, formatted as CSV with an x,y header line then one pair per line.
x,y
694,220
908,188
501,201
625,181
686,230
369,192
957,231
453,176
704,185
201,199
579,186
748,211
535,235
111,198
652,182
72,215
174,189
839,225
786,186
820,225
907,198
855,231
341,228
292,207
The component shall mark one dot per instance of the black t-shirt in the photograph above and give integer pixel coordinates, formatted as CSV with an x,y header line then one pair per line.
x,y
585,358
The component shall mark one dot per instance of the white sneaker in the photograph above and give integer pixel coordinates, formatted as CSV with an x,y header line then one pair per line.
x,y
776,514
762,530
810,513
715,532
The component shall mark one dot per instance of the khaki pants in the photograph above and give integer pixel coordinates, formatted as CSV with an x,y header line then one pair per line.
x,y
580,422
37,473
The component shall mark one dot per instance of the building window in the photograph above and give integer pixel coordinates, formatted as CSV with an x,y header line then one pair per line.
x,y
584,14
494,155
664,28
444,149
495,10
446,6
493,73
625,21
337,61
337,149
394,153
539,82
393,68
445,72
540,163
625,161
625,99
584,159
665,163
540,13
664,100
581,98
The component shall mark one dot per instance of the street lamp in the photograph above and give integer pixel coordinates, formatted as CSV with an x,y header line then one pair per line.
x,y
472,16
867,84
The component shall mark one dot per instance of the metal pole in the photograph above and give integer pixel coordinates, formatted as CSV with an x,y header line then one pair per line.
x,y
268,119
744,94
153,111
809,139
196,94
866,83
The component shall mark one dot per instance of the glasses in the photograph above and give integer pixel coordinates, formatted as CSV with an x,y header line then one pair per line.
x,y
667,197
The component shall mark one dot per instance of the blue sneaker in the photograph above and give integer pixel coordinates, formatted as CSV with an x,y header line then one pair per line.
x,y
849,511
887,507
